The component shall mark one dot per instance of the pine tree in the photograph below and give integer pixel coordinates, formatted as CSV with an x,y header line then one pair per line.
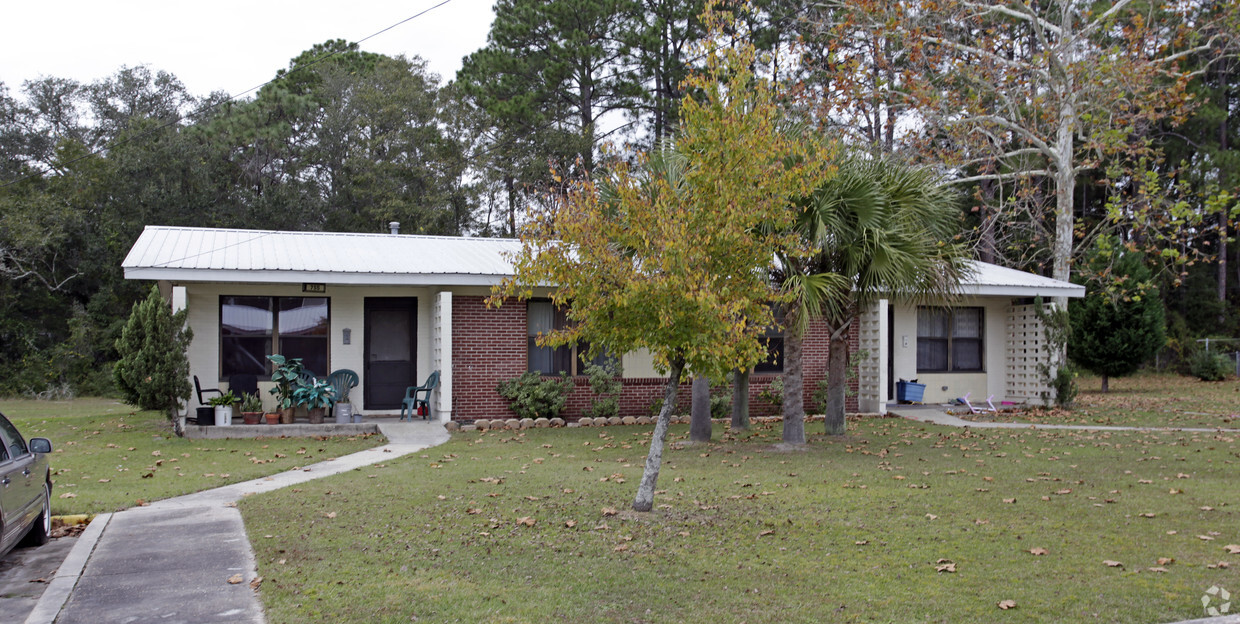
x,y
1120,323
153,371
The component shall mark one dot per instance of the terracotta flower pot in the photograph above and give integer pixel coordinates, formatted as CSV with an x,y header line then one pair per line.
x,y
273,418
251,418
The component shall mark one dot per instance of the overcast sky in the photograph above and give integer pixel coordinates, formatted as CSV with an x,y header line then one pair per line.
x,y
226,45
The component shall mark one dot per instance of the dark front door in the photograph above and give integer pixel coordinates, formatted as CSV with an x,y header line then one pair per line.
x,y
391,338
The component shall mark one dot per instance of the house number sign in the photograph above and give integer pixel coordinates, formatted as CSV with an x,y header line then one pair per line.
x,y
314,288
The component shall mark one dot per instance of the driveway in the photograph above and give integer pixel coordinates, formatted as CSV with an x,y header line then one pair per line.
x,y
24,575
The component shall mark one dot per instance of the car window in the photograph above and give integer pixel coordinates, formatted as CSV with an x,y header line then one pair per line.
x,y
12,439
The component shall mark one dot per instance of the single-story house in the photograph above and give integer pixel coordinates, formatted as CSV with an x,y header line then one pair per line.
x,y
395,307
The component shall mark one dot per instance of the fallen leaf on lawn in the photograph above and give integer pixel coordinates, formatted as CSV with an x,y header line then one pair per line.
x,y
1162,561
156,453
68,495
862,542
621,548
1007,604
683,534
254,584
234,579
1158,569
570,523
1009,500
766,532
609,511
1205,538
473,511
526,520
1222,564
105,480
946,567
932,516
230,504
1064,491
1037,552
1232,549
330,514
1112,564
1207,508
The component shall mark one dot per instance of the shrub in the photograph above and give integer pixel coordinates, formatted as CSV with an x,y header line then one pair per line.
x,y
773,393
720,406
1210,365
606,387
1064,386
153,371
532,396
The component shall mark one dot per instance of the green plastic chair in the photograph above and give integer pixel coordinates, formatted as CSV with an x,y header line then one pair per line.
x,y
342,381
412,401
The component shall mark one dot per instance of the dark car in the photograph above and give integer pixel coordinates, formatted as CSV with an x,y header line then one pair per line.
x,y
25,489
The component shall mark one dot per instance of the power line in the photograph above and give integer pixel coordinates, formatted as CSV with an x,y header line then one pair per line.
x,y
206,109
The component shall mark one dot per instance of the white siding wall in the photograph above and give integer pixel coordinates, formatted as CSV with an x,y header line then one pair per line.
x,y
347,311
943,387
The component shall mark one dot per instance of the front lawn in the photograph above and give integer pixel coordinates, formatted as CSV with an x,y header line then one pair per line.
x,y
897,522
109,457
1143,400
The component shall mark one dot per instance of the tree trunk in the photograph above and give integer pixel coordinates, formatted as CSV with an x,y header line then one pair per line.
x,y
654,458
1222,266
178,423
699,414
794,398
837,383
740,399
1106,385
1065,194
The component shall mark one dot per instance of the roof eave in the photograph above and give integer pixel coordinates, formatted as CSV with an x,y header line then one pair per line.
x,y
990,290
299,277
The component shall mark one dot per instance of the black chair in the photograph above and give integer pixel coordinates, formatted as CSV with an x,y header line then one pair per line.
x,y
200,390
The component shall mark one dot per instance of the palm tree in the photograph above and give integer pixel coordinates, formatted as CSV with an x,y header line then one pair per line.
x,y
879,229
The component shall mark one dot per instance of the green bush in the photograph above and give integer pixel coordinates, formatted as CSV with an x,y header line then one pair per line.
x,y
773,393
606,387
532,396
153,371
1064,386
1210,365
720,406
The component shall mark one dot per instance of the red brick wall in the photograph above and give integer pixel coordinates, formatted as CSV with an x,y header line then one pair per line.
x,y
490,345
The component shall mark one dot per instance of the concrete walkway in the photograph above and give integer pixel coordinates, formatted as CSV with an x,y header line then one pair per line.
x,y
939,417
171,561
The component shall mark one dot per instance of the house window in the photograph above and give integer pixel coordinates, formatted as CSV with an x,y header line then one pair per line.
x,y
949,339
251,328
774,362
543,318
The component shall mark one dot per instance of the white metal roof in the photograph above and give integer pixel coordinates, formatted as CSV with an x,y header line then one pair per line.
x,y
992,279
185,254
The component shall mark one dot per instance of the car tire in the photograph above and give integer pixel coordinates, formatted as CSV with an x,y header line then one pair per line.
x,y
41,530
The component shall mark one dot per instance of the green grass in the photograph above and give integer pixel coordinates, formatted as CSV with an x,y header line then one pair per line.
x,y
107,456
1143,400
517,527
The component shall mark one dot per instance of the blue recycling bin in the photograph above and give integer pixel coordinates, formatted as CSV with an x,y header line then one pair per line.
x,y
910,392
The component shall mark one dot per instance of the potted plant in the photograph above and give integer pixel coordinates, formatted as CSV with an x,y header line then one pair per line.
x,y
251,408
224,408
286,377
315,396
